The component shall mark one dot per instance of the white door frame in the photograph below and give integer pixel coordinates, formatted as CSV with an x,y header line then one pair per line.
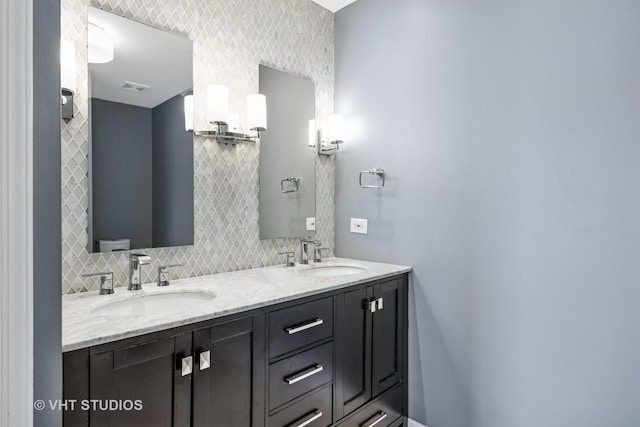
x,y
16,213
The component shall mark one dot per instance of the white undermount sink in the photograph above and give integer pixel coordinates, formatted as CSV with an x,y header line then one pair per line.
x,y
154,303
332,270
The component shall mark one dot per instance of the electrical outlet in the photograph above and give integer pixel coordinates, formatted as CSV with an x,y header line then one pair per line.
x,y
311,224
359,225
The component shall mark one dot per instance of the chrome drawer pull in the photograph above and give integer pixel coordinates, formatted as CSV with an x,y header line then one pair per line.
x,y
187,365
205,360
305,374
381,416
295,329
373,306
308,419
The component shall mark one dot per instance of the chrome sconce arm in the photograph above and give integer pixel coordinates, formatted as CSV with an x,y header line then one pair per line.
x,y
329,149
226,123
66,101
327,140
223,136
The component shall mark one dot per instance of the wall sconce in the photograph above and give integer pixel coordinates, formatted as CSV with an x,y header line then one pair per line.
x,y
327,140
67,77
188,112
227,124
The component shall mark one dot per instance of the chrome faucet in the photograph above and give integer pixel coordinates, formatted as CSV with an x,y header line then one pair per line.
x,y
304,249
106,281
136,261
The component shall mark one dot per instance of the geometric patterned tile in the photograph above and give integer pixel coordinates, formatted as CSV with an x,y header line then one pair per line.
x,y
231,38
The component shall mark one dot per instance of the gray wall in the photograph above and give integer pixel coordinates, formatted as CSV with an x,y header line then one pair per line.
x,y
47,275
172,175
121,172
510,133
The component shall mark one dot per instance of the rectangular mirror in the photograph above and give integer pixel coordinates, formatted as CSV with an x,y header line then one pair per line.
x,y
141,156
287,163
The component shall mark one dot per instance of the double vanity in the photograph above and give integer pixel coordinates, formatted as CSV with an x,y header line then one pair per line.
x,y
313,345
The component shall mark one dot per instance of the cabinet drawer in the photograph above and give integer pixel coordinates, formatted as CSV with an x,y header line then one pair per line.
x,y
312,411
386,409
295,327
296,375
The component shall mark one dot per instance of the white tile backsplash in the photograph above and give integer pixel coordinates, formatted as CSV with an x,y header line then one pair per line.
x,y
230,39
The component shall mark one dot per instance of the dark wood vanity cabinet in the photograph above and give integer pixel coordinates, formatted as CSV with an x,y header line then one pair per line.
x,y
205,377
370,343
228,371
143,378
334,359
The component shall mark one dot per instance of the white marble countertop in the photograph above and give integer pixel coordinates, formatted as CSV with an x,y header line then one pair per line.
x,y
234,292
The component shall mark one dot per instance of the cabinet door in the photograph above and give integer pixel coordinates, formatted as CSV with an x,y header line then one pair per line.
x,y
353,351
386,369
145,373
226,379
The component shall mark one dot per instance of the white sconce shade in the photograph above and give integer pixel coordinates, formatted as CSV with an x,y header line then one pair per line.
x,y
67,66
100,45
313,133
234,123
227,124
336,128
257,112
217,103
188,113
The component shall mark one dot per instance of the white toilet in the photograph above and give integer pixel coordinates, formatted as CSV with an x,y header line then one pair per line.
x,y
114,245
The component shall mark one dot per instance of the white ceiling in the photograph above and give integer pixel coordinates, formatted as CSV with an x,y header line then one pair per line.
x,y
333,5
143,55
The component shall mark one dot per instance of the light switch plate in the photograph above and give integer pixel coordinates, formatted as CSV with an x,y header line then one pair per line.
x,y
359,225
311,224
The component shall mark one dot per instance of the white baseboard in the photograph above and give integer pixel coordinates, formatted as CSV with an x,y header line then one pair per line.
x,y
413,423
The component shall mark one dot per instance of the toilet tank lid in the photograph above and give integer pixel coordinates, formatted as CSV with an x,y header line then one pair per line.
x,y
114,241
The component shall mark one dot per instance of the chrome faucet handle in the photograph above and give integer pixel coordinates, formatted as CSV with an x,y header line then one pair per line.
x,y
163,274
106,281
317,254
291,258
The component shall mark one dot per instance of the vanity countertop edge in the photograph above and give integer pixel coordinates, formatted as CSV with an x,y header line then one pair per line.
x,y
235,292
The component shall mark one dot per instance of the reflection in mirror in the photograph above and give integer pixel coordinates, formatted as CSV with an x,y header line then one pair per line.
x,y
141,157
287,164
